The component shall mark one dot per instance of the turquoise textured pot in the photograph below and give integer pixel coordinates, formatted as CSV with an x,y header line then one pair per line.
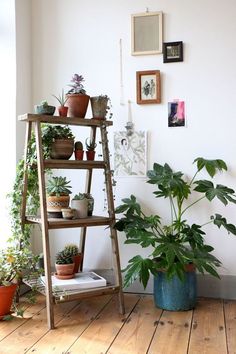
x,y
174,294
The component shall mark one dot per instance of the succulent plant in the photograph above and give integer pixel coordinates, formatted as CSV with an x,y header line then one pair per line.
x,y
79,196
77,86
64,257
72,249
90,144
58,186
78,145
61,98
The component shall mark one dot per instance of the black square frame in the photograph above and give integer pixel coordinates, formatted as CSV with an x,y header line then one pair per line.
x,y
172,52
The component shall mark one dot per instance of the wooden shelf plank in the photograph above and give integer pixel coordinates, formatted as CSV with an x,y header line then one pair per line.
x,y
28,117
73,164
59,223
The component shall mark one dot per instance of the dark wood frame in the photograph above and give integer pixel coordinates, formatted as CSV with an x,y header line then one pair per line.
x,y
172,44
157,75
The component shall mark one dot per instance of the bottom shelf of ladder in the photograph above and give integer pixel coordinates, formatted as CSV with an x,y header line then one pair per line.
x,y
60,295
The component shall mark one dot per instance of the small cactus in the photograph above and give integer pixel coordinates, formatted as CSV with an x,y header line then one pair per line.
x,y
78,145
71,249
64,257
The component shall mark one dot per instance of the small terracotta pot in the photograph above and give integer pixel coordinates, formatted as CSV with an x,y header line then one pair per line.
x,y
77,104
77,260
6,295
90,155
64,271
79,154
62,149
63,110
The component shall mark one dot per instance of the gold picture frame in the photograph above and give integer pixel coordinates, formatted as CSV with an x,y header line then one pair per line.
x,y
146,33
148,86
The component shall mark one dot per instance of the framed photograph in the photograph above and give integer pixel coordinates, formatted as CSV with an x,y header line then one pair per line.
x,y
148,87
146,33
172,52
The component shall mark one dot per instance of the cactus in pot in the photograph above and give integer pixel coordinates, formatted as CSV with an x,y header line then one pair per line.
x,y
79,152
73,250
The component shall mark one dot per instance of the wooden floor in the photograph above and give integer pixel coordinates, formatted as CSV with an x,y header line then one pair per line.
x,y
94,326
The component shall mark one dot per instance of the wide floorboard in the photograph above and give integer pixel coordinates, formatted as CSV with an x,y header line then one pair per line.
x,y
94,326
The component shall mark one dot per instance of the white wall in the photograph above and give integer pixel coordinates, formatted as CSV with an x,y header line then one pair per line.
x,y
83,37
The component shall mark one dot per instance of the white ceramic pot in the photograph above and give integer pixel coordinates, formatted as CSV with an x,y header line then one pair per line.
x,y
81,207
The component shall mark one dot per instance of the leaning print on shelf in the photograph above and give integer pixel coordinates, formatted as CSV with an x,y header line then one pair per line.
x,y
130,154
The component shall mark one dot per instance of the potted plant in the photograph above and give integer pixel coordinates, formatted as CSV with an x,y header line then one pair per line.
x,y
90,199
58,190
100,106
80,204
77,100
58,141
64,265
179,247
13,261
44,109
90,149
73,250
79,152
62,109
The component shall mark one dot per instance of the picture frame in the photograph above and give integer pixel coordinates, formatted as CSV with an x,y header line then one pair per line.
x,y
172,52
148,86
146,33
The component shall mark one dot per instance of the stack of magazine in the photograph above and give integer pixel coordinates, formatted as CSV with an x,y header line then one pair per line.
x,y
83,280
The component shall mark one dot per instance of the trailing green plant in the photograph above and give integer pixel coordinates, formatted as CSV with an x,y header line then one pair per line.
x,y
52,132
72,249
90,144
64,257
77,86
178,243
58,186
61,98
78,145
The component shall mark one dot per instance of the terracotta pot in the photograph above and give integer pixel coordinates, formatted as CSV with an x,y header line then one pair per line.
x,y
99,107
6,295
90,155
77,104
63,110
64,271
77,260
55,204
79,154
62,149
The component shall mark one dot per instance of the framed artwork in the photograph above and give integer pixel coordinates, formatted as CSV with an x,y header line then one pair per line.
x,y
148,87
176,114
172,52
146,33
130,154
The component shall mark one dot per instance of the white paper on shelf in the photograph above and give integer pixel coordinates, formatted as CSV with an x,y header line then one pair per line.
x,y
83,280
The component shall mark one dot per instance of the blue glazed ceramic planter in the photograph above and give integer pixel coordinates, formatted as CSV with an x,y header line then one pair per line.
x,y
174,294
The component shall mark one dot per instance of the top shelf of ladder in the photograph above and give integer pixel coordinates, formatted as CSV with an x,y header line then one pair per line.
x,y
29,117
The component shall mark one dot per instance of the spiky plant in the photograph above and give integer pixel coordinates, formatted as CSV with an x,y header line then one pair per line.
x,y
90,144
78,145
64,257
72,249
58,186
61,98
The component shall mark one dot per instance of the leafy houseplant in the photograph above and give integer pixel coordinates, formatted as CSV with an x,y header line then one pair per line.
x,y
62,109
178,244
45,109
79,152
58,141
100,106
90,147
58,190
77,99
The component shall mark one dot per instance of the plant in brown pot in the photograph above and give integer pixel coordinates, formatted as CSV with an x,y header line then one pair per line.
x,y
62,109
90,149
77,100
58,190
79,152
58,141
64,265
73,250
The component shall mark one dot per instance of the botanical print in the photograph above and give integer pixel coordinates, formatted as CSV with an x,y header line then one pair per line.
x,y
148,87
176,114
130,154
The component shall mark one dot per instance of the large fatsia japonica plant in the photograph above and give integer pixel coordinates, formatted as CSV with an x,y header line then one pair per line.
x,y
179,243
